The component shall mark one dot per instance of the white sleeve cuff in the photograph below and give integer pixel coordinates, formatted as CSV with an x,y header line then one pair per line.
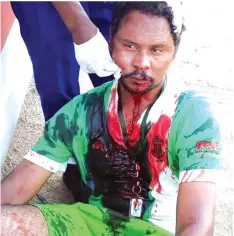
x,y
200,175
47,163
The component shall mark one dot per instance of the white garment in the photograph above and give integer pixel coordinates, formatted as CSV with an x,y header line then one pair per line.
x,y
16,73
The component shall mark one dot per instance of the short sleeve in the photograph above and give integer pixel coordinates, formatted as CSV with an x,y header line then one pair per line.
x,y
67,134
198,140
56,142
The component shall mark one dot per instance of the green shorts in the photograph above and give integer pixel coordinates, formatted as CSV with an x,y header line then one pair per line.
x,y
85,220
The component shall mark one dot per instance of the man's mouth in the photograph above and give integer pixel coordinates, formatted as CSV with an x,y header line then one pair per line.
x,y
140,79
137,75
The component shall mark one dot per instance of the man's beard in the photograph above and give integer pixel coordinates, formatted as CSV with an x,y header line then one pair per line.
x,y
140,75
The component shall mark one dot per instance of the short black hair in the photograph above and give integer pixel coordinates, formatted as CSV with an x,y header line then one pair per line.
x,y
160,9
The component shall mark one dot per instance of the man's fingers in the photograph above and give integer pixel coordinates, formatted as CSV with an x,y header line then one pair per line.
x,y
110,66
103,73
102,68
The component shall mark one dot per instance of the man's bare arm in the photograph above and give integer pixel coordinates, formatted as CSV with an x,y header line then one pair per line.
x,y
195,209
76,20
23,183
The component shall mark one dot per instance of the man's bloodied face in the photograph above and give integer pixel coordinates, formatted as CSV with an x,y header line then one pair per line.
x,y
143,48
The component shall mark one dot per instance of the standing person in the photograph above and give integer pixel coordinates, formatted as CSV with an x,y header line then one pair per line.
x,y
56,34
148,152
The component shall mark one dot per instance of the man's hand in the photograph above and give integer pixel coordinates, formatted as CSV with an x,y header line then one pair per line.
x,y
91,48
195,209
23,183
94,57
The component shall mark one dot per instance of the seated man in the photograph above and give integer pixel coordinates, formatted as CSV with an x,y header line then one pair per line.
x,y
148,152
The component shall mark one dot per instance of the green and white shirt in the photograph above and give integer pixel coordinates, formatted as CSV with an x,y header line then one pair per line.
x,y
179,140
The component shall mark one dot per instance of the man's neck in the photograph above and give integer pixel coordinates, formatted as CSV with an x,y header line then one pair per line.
x,y
143,101
133,105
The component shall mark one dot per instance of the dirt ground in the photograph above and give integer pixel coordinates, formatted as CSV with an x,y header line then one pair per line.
x,y
200,69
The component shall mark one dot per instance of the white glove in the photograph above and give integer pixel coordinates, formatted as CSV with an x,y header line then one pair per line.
x,y
93,56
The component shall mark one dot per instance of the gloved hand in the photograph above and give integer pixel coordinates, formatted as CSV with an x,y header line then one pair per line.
x,y
93,57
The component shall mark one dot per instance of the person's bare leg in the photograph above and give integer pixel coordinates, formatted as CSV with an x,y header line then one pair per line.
x,y
22,220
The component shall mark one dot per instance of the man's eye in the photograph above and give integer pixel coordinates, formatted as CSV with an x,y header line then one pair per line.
x,y
130,46
156,50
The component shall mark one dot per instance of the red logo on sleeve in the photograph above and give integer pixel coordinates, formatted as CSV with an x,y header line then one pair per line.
x,y
205,147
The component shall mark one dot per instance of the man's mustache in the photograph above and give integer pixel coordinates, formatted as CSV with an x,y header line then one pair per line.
x,y
137,74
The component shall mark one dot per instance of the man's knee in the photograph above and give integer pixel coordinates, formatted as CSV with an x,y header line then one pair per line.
x,y
22,220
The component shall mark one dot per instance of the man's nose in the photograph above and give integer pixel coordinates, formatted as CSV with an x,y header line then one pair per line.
x,y
141,61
